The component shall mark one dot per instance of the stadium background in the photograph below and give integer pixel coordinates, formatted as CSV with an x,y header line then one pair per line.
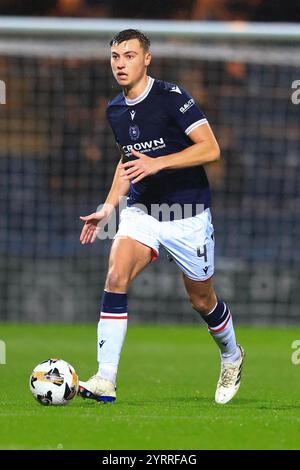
x,y
57,158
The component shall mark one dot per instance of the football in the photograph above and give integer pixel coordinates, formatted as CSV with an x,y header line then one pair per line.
x,y
53,382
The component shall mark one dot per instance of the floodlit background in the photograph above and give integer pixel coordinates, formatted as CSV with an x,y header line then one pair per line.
x,y
57,153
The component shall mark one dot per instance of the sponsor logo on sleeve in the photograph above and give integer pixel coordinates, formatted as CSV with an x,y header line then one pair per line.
x,y
187,106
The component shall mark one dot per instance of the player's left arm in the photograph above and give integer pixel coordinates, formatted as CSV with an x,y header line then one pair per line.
x,y
205,149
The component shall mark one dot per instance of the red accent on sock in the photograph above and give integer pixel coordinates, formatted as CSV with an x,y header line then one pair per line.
x,y
222,327
112,318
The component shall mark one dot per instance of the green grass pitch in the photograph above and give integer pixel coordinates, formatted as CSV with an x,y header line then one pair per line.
x,y
166,387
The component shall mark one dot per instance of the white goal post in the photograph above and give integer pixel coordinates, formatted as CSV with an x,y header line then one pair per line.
x,y
83,27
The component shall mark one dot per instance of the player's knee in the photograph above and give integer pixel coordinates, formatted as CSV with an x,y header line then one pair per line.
x,y
117,281
201,303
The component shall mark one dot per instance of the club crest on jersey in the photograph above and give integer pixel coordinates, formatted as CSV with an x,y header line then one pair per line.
x,y
134,132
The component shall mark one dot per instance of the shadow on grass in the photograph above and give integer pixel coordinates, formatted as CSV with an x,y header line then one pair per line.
x,y
192,401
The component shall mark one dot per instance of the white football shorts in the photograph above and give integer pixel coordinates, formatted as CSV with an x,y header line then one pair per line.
x,y
189,242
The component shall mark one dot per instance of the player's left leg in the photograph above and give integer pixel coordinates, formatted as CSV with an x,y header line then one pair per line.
x,y
191,242
218,318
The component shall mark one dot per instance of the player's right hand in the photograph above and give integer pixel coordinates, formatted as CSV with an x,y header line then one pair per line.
x,y
90,228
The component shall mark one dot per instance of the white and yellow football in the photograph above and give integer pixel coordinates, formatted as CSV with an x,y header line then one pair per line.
x,y
53,382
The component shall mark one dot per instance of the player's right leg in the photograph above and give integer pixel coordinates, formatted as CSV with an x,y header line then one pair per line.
x,y
128,257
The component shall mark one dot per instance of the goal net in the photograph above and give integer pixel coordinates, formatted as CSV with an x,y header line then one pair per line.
x,y
58,156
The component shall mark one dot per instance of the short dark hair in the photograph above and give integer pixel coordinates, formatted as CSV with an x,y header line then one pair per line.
x,y
127,34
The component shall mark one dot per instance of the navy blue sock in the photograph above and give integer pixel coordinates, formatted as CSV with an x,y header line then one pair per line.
x,y
112,328
218,318
220,326
114,304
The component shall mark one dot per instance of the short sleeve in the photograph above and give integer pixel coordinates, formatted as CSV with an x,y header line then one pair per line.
x,y
184,110
109,119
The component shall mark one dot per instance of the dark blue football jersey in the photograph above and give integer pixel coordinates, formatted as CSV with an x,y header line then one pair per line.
x,y
158,123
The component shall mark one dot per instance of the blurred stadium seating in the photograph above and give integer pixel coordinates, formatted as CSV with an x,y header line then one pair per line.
x,y
57,159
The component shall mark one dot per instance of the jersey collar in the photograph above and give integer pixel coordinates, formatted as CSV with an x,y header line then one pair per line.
x,y
143,95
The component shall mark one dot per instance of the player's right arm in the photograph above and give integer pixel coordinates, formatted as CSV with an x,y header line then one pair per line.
x,y
119,188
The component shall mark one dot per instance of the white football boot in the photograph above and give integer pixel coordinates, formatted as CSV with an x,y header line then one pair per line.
x,y
230,379
99,389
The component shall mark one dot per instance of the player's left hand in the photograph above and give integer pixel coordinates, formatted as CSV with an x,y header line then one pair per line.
x,y
138,169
